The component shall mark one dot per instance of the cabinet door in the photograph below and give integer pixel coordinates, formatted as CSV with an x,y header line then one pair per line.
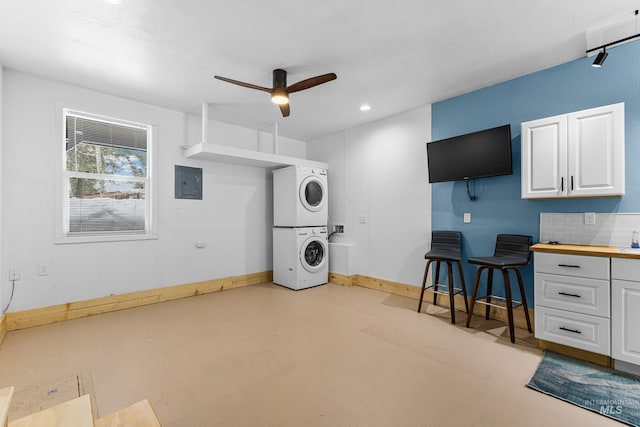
x,y
544,161
596,152
625,321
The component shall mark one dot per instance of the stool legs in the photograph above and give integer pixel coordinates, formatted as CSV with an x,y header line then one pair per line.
x,y
464,287
487,314
424,284
435,283
450,285
508,298
452,306
524,298
507,292
474,295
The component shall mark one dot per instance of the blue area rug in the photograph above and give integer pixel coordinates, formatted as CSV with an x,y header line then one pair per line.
x,y
610,393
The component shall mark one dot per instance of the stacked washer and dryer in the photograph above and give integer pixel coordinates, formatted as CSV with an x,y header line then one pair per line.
x,y
300,240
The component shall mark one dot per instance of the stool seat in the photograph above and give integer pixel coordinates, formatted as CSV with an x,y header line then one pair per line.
x,y
511,253
499,261
443,255
446,247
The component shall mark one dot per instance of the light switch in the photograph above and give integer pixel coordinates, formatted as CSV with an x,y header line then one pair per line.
x,y
467,217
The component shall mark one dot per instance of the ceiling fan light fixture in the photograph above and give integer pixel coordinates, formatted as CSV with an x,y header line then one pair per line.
x,y
279,96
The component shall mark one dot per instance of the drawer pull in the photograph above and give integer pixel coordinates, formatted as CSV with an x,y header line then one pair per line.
x,y
570,295
568,265
575,331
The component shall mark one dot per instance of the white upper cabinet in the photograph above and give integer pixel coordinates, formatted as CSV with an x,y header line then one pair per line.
x,y
579,154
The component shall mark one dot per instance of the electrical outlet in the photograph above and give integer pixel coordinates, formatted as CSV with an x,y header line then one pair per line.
x,y
590,218
14,274
467,217
43,269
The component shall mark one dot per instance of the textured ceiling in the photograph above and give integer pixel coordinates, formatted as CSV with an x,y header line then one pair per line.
x,y
392,55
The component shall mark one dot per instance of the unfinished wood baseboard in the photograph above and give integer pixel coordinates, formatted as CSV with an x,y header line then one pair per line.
x,y
341,279
599,359
411,291
3,327
73,310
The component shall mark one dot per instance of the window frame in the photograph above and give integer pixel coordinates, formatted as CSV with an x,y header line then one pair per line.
x,y
63,235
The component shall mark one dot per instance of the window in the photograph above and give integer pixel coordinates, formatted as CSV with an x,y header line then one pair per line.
x,y
106,177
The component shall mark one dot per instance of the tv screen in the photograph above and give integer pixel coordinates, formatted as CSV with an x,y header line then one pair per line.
x,y
473,155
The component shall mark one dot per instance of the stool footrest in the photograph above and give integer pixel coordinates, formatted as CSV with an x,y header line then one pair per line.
x,y
456,291
514,303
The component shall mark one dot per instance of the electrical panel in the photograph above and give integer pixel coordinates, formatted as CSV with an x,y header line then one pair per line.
x,y
188,183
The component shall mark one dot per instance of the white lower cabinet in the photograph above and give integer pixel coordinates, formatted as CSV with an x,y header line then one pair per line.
x,y
591,303
625,310
577,330
572,301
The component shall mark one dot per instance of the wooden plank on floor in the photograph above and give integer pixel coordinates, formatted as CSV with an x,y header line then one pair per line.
x,y
73,413
6,394
139,414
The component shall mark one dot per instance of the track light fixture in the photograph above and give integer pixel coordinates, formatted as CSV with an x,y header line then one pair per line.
x,y
600,58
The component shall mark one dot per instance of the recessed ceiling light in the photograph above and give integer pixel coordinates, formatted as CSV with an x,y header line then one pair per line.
x,y
365,107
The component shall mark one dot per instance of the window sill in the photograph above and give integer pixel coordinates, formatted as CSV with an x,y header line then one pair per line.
x,y
103,238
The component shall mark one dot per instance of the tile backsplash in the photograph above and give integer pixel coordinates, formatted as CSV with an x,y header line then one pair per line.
x,y
610,229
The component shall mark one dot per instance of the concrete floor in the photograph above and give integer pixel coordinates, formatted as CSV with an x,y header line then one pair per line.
x,y
267,356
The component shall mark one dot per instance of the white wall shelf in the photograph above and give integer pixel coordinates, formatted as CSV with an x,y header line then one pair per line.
x,y
224,153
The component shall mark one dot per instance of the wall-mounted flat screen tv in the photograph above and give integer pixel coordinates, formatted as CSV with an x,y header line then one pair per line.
x,y
473,155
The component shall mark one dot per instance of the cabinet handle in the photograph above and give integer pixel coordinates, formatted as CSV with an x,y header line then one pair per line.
x,y
571,182
568,265
570,295
562,183
575,331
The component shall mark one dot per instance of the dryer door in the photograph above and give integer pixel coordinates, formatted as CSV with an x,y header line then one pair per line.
x,y
313,193
313,253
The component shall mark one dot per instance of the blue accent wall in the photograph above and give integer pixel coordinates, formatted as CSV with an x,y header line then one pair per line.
x,y
499,209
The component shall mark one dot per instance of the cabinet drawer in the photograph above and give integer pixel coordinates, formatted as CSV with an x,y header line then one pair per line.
x,y
578,294
625,269
572,265
577,330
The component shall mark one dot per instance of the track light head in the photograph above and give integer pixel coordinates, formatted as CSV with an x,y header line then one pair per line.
x,y
600,58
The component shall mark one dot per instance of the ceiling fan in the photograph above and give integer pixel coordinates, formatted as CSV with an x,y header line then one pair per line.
x,y
280,91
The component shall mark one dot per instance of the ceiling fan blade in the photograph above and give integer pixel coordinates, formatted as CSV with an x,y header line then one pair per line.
x,y
239,83
284,108
311,82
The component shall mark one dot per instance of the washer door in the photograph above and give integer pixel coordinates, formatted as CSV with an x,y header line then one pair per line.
x,y
313,254
312,193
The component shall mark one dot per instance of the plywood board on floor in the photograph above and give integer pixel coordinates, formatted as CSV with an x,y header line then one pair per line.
x,y
140,414
44,395
73,413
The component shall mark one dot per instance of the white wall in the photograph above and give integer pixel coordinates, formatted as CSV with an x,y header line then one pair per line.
x,y
378,175
2,181
234,219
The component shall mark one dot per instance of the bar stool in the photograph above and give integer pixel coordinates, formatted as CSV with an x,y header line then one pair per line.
x,y
511,253
445,247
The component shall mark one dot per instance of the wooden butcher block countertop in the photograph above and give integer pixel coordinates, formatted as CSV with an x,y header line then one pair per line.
x,y
607,251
